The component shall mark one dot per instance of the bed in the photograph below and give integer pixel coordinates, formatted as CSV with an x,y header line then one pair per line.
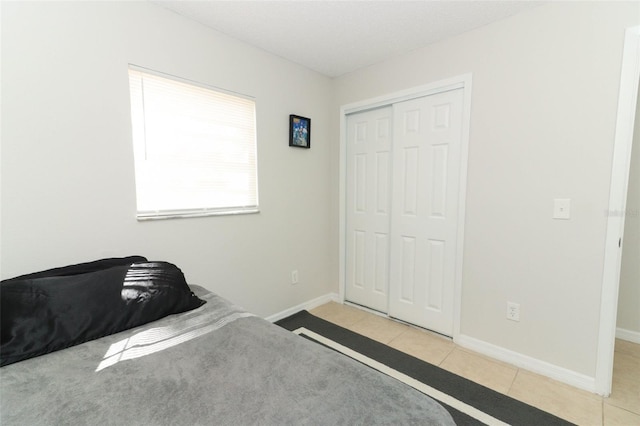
x,y
213,363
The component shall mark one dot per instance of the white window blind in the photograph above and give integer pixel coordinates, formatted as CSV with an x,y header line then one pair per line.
x,y
194,148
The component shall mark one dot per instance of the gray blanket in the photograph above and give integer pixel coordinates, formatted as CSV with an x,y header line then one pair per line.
x,y
216,365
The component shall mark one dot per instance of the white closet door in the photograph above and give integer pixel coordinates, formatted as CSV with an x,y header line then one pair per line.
x,y
426,169
368,206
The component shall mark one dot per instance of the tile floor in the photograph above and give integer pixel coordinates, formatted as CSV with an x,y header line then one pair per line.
x,y
574,405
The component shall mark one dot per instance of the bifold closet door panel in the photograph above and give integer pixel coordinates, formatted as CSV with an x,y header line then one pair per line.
x,y
426,172
402,189
368,204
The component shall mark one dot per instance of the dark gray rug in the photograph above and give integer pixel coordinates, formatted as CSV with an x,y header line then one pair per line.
x,y
494,404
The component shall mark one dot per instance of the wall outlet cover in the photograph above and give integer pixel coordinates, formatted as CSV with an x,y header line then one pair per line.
x,y
513,311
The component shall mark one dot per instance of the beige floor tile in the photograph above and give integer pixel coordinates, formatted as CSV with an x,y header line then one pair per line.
x,y
423,345
628,348
339,314
614,416
625,391
575,405
378,328
492,374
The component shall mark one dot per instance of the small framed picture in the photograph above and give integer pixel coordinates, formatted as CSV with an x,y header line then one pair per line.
x,y
299,131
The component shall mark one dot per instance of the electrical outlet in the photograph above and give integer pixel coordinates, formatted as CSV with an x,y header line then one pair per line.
x,y
513,311
294,276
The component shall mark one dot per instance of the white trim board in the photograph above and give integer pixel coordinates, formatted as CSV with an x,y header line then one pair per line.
x,y
627,101
457,82
519,360
528,363
628,335
308,305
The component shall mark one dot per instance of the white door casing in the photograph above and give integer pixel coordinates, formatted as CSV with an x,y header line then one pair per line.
x,y
627,102
368,203
426,180
404,172
458,82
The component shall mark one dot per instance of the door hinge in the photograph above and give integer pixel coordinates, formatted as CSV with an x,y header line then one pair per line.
x,y
619,242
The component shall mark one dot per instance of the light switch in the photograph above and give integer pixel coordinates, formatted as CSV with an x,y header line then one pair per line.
x,y
562,208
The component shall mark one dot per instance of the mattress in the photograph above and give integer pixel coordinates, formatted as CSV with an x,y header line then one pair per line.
x,y
216,364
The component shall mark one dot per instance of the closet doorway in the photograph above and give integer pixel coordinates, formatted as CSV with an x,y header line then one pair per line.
x,y
404,187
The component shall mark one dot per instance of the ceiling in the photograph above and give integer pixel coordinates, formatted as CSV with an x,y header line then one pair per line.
x,y
337,37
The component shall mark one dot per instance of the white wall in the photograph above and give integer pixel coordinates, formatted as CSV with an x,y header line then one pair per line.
x,y
629,297
545,86
67,167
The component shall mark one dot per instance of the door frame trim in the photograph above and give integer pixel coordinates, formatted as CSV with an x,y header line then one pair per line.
x,y
627,103
463,81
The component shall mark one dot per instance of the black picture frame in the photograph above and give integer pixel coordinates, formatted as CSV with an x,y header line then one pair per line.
x,y
299,131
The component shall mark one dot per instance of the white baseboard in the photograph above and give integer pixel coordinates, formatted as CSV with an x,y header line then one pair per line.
x,y
628,335
519,360
525,362
310,304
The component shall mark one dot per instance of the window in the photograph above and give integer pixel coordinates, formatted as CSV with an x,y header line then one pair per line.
x,y
194,148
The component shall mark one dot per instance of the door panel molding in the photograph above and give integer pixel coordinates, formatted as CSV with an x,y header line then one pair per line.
x,y
428,133
367,208
441,120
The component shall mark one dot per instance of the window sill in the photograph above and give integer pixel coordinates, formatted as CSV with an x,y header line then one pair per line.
x,y
143,217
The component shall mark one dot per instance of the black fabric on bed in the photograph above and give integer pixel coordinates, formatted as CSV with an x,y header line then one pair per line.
x,y
52,310
81,268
